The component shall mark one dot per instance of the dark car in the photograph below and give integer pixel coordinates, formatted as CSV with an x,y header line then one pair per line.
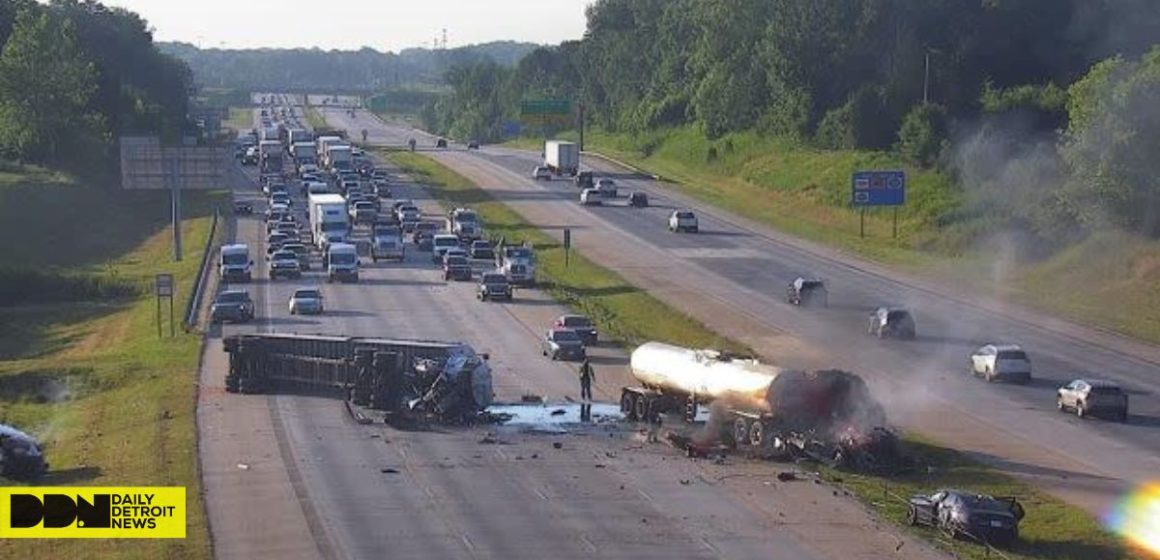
x,y
563,344
441,143
284,264
473,145
456,267
638,200
965,515
243,208
493,285
807,291
232,305
301,251
423,232
581,325
20,455
584,180
889,322
481,249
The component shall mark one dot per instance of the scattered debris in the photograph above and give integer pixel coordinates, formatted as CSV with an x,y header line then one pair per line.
x,y
389,470
786,476
489,438
686,482
599,465
243,466
532,399
535,455
558,412
557,445
374,436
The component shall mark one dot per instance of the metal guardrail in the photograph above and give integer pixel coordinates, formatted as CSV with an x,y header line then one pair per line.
x,y
194,305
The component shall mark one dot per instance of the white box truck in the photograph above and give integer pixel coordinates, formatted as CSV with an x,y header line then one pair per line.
x,y
328,219
562,157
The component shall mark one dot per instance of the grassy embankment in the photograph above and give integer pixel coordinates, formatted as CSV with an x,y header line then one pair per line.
x,y
82,366
1052,529
314,118
1110,281
241,119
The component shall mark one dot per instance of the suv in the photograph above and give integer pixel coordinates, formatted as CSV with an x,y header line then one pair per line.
x,y
683,220
456,267
493,285
541,172
563,344
441,243
1091,396
284,264
387,247
806,291
892,322
232,305
481,249
999,361
301,251
584,180
579,324
423,234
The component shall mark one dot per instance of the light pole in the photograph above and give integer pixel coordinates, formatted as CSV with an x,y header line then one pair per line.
x,y
926,74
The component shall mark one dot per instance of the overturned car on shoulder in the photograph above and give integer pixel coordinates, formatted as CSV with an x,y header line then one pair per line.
x,y
20,455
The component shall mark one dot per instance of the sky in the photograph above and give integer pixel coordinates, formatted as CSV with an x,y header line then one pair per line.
x,y
384,25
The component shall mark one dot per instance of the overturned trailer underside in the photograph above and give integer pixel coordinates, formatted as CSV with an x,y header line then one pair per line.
x,y
445,381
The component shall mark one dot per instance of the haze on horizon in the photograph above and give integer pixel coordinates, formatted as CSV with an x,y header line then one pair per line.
x,y
383,25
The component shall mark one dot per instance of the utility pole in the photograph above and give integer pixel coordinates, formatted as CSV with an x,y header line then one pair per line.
x,y
926,80
581,126
175,202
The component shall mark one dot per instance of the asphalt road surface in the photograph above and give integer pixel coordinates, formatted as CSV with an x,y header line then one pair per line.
x,y
732,275
293,476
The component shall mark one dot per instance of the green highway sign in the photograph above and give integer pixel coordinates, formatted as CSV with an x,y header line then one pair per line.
x,y
546,107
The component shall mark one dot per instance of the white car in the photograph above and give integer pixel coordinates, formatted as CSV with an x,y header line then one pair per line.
x,y
541,172
306,301
591,197
441,243
995,361
1088,397
683,220
606,187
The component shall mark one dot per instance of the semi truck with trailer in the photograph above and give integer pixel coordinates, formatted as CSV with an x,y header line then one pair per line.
x,y
328,219
562,158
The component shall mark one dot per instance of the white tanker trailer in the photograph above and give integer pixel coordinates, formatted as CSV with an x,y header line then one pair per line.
x,y
768,408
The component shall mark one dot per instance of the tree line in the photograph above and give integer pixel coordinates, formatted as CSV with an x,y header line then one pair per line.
x,y
315,70
915,76
75,75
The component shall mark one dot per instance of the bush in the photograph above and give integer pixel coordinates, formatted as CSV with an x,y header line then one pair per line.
x,y
923,134
26,285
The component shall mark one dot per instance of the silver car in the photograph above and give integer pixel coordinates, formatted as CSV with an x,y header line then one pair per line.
x,y
1093,396
306,301
1006,361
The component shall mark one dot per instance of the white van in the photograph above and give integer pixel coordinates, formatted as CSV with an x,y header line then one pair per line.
x,y
341,263
234,263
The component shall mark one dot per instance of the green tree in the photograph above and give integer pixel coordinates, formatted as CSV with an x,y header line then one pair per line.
x,y
45,88
923,135
1112,142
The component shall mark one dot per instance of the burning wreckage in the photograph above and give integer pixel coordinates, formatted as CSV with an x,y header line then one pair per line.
x,y
406,379
827,415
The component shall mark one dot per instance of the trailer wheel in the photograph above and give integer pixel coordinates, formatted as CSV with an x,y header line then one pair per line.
x,y
628,406
757,434
740,431
641,408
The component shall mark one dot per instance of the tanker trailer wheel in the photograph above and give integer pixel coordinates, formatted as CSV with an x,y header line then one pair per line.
x,y
757,436
628,406
740,431
641,409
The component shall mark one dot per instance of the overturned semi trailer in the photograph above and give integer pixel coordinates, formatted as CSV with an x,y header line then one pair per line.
x,y
447,380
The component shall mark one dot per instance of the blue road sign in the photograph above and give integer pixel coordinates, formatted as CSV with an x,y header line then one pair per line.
x,y
878,188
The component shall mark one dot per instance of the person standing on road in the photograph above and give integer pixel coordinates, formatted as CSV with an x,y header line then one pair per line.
x,y
586,378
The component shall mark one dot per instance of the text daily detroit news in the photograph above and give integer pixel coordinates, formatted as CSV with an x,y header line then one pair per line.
x,y
147,512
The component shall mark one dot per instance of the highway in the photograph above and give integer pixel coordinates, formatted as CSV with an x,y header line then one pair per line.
x,y
733,274
293,476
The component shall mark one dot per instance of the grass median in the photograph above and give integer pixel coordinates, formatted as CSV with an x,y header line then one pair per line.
x,y
1052,529
81,364
627,313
